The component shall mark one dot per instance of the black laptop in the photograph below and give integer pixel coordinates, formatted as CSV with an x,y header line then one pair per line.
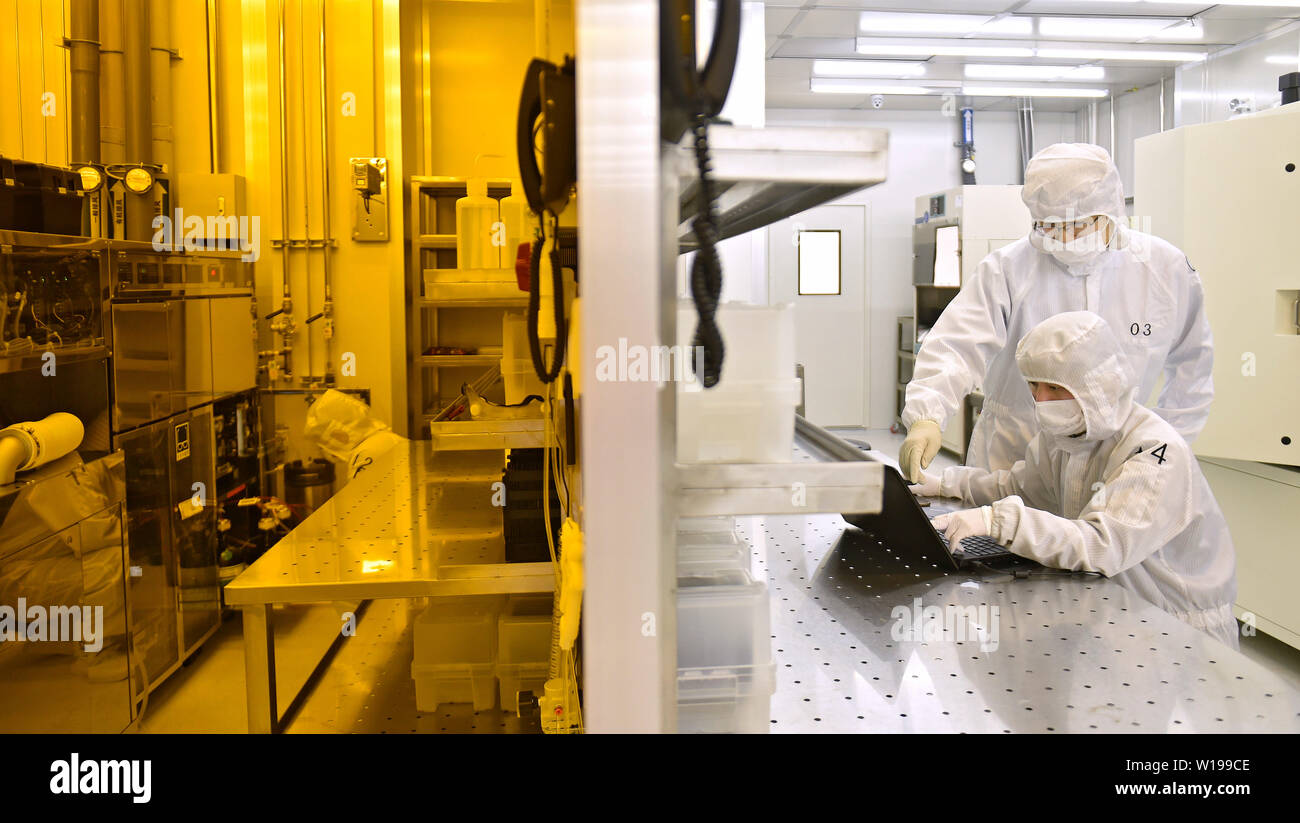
x,y
904,527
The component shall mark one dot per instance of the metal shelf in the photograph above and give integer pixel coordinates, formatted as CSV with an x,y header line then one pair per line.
x,y
708,489
64,355
448,361
766,175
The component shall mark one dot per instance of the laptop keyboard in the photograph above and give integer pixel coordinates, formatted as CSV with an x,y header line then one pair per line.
x,y
978,546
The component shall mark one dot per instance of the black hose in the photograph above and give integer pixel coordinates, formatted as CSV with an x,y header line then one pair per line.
x,y
706,270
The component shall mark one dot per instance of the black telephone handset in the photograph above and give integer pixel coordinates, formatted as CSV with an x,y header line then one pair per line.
x,y
549,93
685,91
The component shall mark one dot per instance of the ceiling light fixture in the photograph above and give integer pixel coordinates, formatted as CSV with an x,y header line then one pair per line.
x,y
1121,54
832,85
989,71
1030,91
867,68
878,49
1120,28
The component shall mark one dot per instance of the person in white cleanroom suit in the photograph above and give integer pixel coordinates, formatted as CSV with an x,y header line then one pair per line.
x,y
1079,254
1106,485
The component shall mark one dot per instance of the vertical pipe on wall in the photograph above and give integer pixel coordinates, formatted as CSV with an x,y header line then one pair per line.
x,y
306,183
214,121
327,249
286,303
160,91
112,83
139,134
83,102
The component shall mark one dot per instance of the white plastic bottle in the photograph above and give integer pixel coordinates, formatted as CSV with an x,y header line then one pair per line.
x,y
518,222
476,219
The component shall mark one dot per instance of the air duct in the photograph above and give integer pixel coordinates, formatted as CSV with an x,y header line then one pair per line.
x,y
139,133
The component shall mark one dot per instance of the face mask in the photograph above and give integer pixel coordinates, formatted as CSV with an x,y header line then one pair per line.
x,y
1063,418
1075,255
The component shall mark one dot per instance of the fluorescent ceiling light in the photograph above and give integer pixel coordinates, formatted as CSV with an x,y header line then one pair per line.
x,y
878,22
840,85
940,50
1122,54
889,23
1120,28
986,71
867,68
1282,59
1030,91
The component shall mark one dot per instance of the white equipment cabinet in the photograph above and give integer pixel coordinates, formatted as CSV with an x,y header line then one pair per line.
x,y
952,232
1228,194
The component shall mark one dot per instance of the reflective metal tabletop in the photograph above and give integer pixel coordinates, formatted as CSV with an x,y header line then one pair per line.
x,y
863,644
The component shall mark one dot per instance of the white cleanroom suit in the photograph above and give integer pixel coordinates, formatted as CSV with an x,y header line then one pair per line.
x,y
1125,498
1143,286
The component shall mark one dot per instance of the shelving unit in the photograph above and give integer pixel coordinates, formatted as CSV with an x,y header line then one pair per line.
x,y
447,306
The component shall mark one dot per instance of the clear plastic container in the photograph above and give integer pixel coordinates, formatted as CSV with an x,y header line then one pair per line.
x,y
517,359
523,647
477,216
436,684
735,700
707,539
707,559
722,620
759,340
743,423
458,630
702,525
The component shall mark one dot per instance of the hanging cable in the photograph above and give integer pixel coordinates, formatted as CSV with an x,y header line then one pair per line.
x,y
547,374
706,269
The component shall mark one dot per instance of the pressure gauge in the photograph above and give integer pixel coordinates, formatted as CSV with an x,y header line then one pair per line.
x,y
968,165
91,178
139,180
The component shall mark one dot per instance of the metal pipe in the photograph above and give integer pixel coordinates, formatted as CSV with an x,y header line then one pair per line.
x,y
160,78
214,114
83,47
327,331
112,82
139,140
286,302
814,436
306,186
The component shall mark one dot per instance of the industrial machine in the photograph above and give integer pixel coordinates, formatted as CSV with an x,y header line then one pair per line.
x,y
952,232
1225,194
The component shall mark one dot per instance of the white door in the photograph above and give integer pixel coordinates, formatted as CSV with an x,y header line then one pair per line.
x,y
817,261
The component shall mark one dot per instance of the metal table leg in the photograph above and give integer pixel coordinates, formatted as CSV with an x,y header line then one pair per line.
x,y
259,669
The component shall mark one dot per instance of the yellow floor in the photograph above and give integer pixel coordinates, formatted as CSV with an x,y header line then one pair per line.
x,y
365,687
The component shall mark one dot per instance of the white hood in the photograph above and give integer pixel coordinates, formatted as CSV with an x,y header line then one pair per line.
x,y
1078,351
1073,181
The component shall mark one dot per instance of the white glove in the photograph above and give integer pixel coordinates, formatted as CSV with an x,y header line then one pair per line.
x,y
930,485
957,526
920,447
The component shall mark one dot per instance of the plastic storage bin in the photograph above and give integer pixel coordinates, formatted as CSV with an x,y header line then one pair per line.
x,y
700,525
725,701
722,620
759,340
436,684
523,647
517,359
743,423
456,652
705,559
725,676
